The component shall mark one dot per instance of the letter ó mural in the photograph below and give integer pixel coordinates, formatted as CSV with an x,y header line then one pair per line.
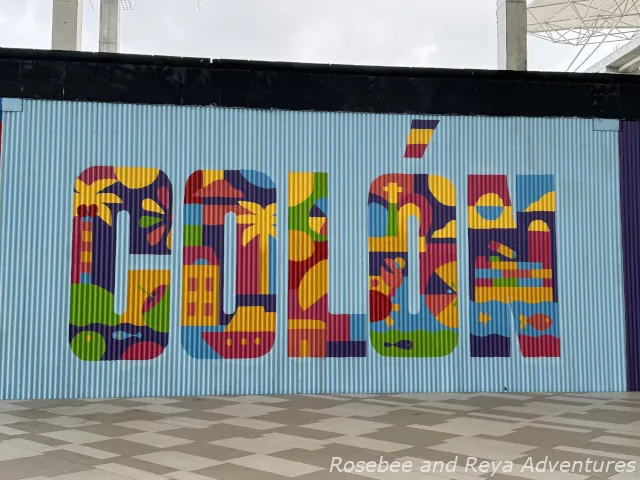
x,y
395,332
96,331
513,270
207,331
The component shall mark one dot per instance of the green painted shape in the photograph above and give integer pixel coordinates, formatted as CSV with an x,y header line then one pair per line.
x,y
92,304
299,214
392,220
145,221
505,282
494,259
192,236
89,346
425,344
158,317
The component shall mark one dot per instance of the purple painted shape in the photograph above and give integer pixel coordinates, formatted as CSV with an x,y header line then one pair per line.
x,y
430,124
346,349
629,141
490,346
116,348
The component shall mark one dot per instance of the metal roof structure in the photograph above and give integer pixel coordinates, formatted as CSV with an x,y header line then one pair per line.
x,y
127,4
583,22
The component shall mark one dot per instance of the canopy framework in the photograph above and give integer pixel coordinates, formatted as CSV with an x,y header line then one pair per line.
x,y
127,4
583,22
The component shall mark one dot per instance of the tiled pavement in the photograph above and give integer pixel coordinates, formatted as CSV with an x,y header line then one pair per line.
x,y
277,437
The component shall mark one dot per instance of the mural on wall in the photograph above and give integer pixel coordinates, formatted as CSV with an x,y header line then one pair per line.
x,y
395,331
97,332
208,332
513,266
420,135
312,330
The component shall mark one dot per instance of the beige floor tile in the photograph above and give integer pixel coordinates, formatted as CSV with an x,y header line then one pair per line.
x,y
245,410
147,426
186,476
252,423
76,436
12,452
471,426
68,422
277,466
157,440
161,409
91,475
347,426
88,451
370,444
129,472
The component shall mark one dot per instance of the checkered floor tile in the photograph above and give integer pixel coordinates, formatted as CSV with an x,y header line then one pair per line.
x,y
430,436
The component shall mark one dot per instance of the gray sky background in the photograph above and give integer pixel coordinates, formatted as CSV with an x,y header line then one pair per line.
x,y
425,33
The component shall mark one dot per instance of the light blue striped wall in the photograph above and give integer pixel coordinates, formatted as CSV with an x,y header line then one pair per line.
x,y
47,144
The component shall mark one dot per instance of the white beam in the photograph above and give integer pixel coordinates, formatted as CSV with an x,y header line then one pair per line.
x,y
512,34
66,31
619,61
109,26
631,66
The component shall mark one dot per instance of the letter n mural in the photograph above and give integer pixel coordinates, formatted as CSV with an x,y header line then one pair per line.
x,y
513,269
96,331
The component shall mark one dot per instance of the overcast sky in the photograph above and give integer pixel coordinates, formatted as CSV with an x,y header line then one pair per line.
x,y
425,33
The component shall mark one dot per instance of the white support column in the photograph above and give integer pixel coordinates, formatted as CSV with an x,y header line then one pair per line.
x,y
109,26
66,31
512,34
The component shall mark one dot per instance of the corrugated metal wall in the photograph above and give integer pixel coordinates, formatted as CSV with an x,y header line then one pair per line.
x,y
48,145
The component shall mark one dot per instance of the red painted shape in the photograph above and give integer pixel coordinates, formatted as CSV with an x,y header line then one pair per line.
x,y
242,344
247,264
544,346
484,282
540,248
379,305
516,273
193,186
142,351
437,303
482,262
415,150
316,343
76,250
480,185
219,188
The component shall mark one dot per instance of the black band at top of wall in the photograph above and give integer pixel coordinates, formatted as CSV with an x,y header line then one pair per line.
x,y
141,79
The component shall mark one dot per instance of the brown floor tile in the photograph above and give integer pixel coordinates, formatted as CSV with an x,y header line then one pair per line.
x,y
43,465
410,436
124,448
294,417
215,432
609,416
214,452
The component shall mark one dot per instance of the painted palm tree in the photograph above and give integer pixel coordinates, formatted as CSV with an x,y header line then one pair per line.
x,y
90,201
262,224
